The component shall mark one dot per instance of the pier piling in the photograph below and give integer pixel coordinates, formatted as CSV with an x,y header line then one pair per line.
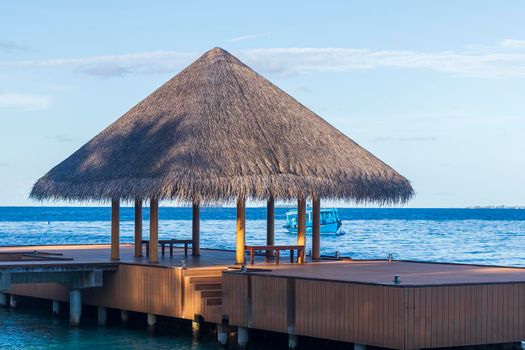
x,y
3,300
359,346
124,317
102,316
292,341
242,337
222,334
152,322
195,329
75,307
56,308
13,301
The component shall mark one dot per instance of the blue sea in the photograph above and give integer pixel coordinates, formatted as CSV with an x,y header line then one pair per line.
x,y
480,236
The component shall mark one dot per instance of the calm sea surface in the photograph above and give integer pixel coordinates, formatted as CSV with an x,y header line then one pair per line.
x,y
481,236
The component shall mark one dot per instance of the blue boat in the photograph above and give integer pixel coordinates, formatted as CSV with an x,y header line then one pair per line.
x,y
330,222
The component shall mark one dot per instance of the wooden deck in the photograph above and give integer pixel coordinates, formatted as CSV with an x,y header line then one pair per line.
x,y
435,305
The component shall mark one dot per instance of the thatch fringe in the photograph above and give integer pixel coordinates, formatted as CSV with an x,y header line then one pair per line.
x,y
216,131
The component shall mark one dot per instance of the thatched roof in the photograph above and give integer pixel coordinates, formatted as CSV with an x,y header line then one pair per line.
x,y
217,130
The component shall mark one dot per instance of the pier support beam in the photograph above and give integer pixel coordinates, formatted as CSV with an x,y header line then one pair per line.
x,y
359,346
270,225
3,300
195,229
75,307
138,227
241,222
196,330
102,316
154,231
56,308
301,225
152,322
124,317
115,229
13,301
316,228
222,334
292,341
242,336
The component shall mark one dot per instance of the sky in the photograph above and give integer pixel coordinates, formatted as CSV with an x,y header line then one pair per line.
x,y
436,89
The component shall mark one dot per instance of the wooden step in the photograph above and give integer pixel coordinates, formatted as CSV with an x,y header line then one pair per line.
x,y
214,301
208,286
211,294
204,272
205,279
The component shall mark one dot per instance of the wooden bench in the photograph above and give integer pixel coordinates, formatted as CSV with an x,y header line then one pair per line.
x,y
276,249
170,242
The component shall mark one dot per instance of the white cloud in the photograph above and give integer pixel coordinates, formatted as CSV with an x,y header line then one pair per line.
x,y
113,65
9,46
246,37
487,64
513,44
405,139
503,60
24,101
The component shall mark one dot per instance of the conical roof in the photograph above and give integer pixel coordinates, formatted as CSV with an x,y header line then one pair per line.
x,y
215,131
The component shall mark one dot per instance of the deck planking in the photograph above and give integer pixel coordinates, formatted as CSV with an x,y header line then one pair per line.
x,y
436,304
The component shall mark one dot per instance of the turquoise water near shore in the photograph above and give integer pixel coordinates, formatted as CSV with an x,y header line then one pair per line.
x,y
35,329
481,236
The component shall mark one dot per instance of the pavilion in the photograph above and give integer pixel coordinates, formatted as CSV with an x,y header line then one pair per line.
x,y
220,132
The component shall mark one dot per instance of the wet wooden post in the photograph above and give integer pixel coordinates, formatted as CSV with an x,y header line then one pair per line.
x,y
75,307
102,316
124,317
195,229
56,308
270,225
154,230
301,226
115,229
316,228
241,221
138,227
3,299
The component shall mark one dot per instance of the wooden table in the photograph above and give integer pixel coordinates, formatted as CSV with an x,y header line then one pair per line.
x,y
171,243
276,249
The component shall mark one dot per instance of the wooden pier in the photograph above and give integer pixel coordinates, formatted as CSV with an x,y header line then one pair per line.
x,y
435,305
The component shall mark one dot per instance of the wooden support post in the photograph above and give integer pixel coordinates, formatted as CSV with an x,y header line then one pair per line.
x,y
102,316
138,227
316,228
124,317
13,301
196,330
242,337
292,341
270,225
195,229
241,221
154,230
152,323
56,308
115,229
3,299
222,335
75,307
301,226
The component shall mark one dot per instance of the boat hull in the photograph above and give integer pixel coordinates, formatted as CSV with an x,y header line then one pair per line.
x,y
332,227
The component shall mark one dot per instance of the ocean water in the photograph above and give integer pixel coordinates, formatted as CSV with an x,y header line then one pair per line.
x,y
481,236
